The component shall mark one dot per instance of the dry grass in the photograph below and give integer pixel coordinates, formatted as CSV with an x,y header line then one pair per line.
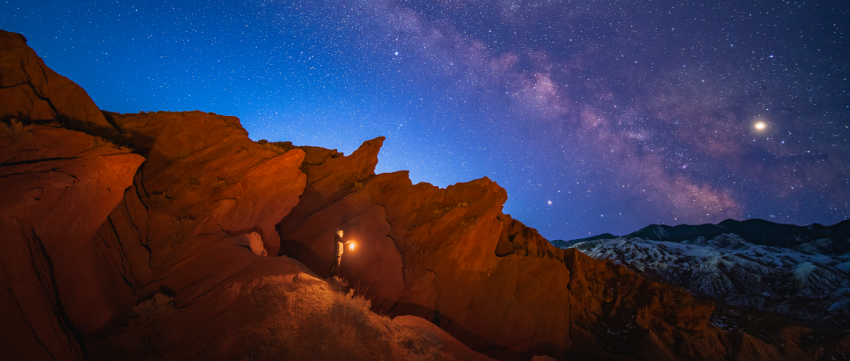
x,y
351,306
98,142
308,319
218,182
182,227
281,318
154,307
277,147
421,344
441,211
158,201
151,312
15,130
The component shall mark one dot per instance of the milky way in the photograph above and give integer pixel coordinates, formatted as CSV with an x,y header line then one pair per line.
x,y
596,116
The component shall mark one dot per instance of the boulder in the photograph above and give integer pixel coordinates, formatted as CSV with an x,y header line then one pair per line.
x,y
252,241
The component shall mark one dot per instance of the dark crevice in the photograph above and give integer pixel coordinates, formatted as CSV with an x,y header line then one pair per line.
x,y
141,193
13,86
35,91
121,254
11,293
390,310
36,161
65,321
111,121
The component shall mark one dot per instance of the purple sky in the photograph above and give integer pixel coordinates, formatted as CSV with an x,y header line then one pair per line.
x,y
596,116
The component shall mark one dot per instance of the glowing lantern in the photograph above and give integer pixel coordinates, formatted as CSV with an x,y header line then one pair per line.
x,y
352,245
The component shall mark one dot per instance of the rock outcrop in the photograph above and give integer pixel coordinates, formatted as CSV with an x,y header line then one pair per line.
x,y
30,90
107,259
56,189
450,256
488,280
203,182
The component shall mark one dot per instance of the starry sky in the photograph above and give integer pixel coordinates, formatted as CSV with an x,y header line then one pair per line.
x,y
596,116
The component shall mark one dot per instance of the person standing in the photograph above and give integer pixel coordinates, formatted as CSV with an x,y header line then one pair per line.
x,y
339,248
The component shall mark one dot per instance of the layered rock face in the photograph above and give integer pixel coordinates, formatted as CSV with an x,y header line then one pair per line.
x,y
451,256
196,190
56,188
107,259
31,90
82,249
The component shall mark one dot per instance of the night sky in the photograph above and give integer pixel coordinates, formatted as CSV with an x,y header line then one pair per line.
x,y
596,116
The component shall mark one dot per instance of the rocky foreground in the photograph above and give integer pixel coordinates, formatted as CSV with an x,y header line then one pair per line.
x,y
174,236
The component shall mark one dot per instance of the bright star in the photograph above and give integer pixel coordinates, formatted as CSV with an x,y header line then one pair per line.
x,y
549,202
760,125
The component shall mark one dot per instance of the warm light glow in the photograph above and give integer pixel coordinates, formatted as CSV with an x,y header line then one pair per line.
x,y
760,126
351,246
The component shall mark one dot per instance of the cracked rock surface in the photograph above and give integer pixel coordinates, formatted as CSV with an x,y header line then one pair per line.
x,y
31,90
56,189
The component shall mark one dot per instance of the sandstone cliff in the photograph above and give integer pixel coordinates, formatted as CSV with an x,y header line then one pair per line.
x,y
162,252
451,256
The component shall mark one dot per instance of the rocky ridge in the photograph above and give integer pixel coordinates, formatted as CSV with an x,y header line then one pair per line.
x,y
800,272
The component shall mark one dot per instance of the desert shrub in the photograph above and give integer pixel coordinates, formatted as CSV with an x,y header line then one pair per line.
x,y
154,307
447,209
277,147
338,284
158,200
350,313
98,142
352,304
182,226
422,344
218,182
14,131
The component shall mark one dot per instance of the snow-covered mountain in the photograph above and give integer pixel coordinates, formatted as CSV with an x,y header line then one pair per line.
x,y
802,272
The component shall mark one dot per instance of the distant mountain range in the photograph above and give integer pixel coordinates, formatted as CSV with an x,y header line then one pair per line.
x,y
798,271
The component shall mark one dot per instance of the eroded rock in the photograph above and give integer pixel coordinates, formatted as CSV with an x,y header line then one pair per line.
x,y
57,187
32,91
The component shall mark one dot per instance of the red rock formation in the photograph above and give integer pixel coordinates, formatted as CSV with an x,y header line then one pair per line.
x,y
203,183
488,280
56,188
31,90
